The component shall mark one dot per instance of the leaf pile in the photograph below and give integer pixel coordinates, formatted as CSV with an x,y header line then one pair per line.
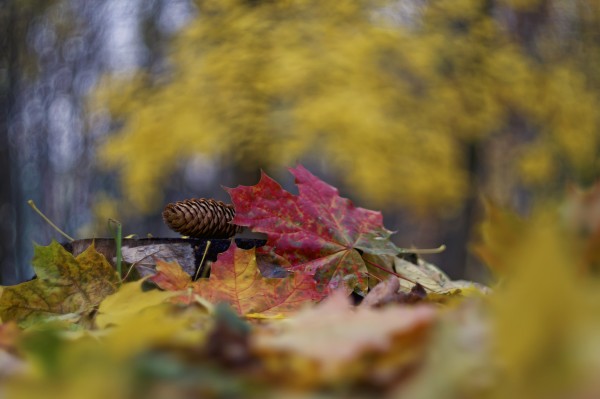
x,y
279,322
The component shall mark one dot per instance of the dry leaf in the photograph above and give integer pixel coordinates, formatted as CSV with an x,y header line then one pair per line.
x,y
127,302
335,339
236,280
64,284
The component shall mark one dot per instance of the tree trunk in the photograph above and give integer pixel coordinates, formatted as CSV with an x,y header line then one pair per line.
x,y
8,56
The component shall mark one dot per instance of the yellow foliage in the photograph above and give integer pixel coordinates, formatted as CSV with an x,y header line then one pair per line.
x,y
534,335
116,309
544,310
153,326
391,107
537,312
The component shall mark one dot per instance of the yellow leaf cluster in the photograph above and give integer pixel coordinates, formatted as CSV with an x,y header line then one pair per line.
x,y
536,334
533,335
544,309
100,362
391,107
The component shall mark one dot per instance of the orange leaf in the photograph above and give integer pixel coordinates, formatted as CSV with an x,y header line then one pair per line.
x,y
171,276
236,280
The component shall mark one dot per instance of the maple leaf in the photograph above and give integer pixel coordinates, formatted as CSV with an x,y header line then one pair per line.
x,y
170,276
236,280
317,231
64,284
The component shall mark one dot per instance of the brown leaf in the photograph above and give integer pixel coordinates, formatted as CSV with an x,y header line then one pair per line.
x,y
383,293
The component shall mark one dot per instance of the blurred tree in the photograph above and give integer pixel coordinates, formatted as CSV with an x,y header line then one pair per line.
x,y
7,254
51,55
14,64
395,108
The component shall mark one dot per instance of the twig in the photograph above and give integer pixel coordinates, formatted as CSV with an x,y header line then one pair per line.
x,y
202,262
35,208
138,261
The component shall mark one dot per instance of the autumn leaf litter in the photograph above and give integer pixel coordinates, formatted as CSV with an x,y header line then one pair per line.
x,y
237,333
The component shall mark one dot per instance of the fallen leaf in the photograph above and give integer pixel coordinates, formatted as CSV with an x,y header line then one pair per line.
x,y
457,363
171,276
127,302
236,280
9,334
317,231
11,365
497,234
228,341
541,309
383,293
581,213
581,209
436,283
64,284
332,338
152,326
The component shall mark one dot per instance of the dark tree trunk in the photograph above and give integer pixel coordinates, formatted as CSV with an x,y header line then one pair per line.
x,y
8,56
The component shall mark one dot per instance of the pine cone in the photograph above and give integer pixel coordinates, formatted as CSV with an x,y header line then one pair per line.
x,y
201,218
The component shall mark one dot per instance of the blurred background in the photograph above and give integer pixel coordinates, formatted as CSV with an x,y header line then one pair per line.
x,y
417,108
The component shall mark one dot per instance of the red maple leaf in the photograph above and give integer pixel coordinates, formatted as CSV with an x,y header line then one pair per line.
x,y
317,231
236,280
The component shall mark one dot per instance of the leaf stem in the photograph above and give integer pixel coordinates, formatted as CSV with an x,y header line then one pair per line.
x,y
204,272
35,208
425,251
384,269
118,245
